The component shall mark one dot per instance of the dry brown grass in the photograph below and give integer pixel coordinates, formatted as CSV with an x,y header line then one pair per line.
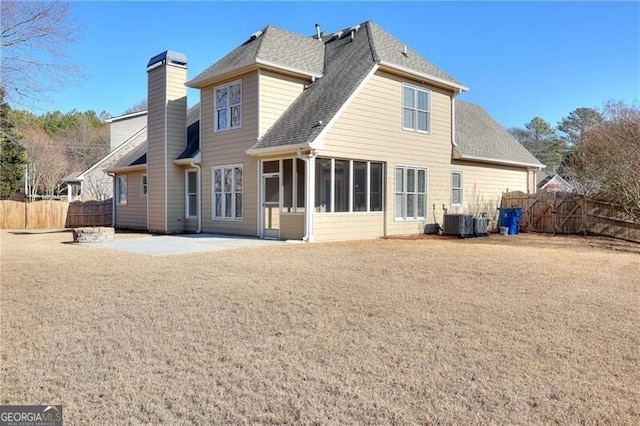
x,y
523,330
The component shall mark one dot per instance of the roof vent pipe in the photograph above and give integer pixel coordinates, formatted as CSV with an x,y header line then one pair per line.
x,y
404,50
318,36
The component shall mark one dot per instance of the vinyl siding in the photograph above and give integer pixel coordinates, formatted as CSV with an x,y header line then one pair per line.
x,y
483,186
348,226
291,226
134,213
122,130
277,92
166,90
227,148
370,128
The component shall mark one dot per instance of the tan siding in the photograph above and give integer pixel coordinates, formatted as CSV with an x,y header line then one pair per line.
x,y
355,226
291,226
226,148
167,138
371,129
277,92
134,213
484,184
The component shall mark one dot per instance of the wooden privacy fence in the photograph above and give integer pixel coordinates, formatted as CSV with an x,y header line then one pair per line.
x,y
90,213
46,214
53,214
570,213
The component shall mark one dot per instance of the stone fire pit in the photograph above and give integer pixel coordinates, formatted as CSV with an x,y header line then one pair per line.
x,y
93,234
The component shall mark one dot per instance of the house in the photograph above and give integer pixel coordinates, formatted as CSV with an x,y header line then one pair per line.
x,y
349,135
127,133
552,182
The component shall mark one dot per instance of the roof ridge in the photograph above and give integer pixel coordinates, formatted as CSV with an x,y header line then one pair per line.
x,y
374,51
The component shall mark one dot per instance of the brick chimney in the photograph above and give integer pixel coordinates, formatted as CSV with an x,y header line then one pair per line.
x,y
167,137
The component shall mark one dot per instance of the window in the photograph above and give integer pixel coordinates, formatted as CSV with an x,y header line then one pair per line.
x,y
121,190
227,192
143,186
415,109
411,192
191,194
348,186
228,106
456,188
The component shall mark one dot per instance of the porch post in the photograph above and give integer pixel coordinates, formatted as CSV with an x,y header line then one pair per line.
x,y
309,207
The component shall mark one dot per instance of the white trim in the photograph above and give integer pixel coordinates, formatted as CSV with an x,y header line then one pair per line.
x,y
461,188
274,150
213,193
423,76
126,169
125,116
414,218
112,153
187,193
318,141
228,107
119,180
288,69
143,185
415,110
458,156
187,161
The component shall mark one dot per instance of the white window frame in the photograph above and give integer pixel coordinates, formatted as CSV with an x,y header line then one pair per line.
x,y
415,110
216,110
403,193
144,185
233,193
120,199
460,188
350,185
187,194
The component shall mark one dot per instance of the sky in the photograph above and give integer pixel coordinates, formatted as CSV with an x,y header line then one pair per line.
x,y
518,59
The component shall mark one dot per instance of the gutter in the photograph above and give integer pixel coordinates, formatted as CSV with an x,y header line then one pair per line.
x,y
496,161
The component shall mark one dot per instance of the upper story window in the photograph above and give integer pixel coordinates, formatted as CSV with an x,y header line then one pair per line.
x,y
228,106
416,113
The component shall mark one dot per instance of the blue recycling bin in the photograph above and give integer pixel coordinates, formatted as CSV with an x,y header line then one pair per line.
x,y
510,218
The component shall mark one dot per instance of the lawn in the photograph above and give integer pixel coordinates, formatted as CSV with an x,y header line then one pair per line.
x,y
528,329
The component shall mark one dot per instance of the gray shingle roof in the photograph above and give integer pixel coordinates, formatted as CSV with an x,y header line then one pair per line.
x,y
193,133
389,49
272,45
135,157
347,63
479,135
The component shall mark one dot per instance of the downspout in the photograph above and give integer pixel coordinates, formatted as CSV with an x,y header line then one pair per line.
x,y
453,117
308,205
199,198
113,200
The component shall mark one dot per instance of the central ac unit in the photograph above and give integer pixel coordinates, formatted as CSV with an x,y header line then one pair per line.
x,y
458,224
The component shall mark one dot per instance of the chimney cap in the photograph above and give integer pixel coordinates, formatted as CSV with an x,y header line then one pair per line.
x,y
169,57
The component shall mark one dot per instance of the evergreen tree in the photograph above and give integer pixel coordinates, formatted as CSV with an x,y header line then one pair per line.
x,y
12,154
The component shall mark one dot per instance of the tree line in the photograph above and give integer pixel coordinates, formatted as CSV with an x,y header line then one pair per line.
x,y
38,151
596,151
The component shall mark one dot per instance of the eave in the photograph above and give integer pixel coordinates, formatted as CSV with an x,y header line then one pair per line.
x,y
437,81
458,156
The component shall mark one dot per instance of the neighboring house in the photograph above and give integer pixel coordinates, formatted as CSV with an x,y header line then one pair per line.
x,y
344,136
126,133
551,182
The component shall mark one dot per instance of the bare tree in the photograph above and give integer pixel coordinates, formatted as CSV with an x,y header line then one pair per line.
x,y
607,163
48,163
33,38
141,105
